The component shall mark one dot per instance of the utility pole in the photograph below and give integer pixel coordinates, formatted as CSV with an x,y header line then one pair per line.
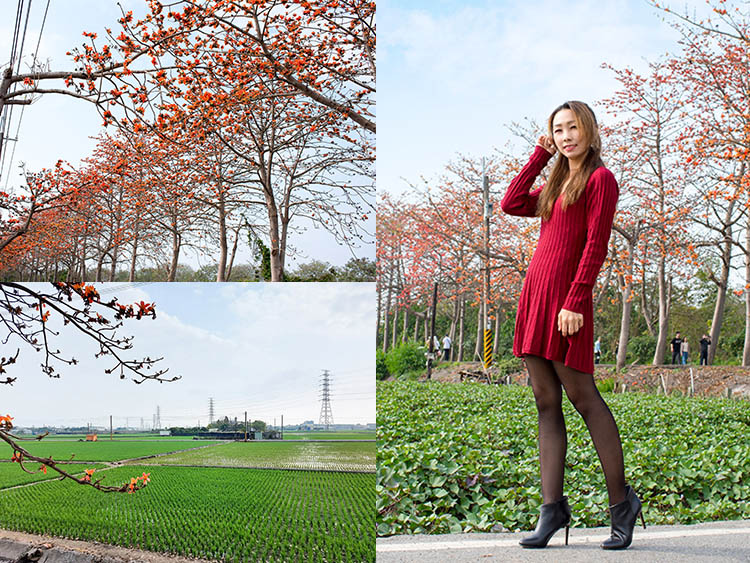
x,y
282,426
487,349
245,426
110,427
431,349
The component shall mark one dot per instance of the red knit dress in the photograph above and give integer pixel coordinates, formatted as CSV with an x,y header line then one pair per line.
x,y
571,250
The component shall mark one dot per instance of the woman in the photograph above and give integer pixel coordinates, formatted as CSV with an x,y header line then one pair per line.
x,y
555,325
685,347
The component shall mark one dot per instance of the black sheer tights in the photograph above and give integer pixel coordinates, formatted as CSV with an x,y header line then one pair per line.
x,y
547,380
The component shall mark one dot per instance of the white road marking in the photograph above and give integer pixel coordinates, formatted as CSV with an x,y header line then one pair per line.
x,y
476,544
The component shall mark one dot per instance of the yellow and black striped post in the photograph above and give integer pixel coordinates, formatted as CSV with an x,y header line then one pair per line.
x,y
487,348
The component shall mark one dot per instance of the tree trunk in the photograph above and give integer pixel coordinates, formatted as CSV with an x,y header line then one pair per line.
x,y
661,341
379,290
462,313
277,271
645,310
478,346
721,290
113,266
176,242
746,348
395,327
100,266
626,293
131,273
627,307
228,274
387,309
496,339
405,329
223,246
454,323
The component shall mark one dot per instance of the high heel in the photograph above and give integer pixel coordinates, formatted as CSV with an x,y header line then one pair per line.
x,y
552,517
623,516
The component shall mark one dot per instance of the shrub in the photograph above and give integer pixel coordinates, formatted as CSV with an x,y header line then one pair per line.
x,y
606,385
408,356
381,369
509,364
641,348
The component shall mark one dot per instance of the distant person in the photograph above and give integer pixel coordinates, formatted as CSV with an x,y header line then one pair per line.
x,y
685,349
676,347
436,345
598,350
705,343
446,348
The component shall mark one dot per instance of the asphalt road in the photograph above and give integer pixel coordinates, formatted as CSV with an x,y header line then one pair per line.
x,y
711,542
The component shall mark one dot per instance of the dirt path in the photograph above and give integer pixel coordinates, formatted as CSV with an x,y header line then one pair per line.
x,y
60,550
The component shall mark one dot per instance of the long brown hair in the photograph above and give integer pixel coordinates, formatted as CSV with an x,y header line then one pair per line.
x,y
586,121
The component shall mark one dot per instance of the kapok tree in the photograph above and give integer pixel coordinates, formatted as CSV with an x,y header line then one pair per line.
x,y
714,71
25,314
653,106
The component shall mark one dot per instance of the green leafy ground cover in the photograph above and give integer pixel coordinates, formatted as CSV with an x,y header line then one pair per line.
x,y
364,435
463,457
11,474
226,514
336,456
98,451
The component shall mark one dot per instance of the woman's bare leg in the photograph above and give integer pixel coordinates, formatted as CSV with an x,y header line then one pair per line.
x,y
553,439
582,392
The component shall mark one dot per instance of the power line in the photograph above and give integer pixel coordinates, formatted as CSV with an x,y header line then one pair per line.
x,y
17,54
23,109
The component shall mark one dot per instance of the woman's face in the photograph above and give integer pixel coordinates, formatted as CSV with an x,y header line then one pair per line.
x,y
567,135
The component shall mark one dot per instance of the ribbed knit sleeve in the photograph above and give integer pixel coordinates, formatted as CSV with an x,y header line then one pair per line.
x,y
601,203
518,200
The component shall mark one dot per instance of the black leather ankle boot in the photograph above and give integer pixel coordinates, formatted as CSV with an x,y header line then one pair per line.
x,y
552,517
623,516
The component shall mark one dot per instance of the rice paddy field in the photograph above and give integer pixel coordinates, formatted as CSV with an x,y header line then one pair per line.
x,y
320,435
205,503
329,456
104,450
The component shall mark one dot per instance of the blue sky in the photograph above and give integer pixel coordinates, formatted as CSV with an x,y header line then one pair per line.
x,y
59,127
452,74
254,347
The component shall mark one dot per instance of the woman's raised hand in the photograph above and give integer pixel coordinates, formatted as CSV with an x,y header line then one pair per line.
x,y
547,144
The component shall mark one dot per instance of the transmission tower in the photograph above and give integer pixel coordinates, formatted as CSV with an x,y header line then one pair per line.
x,y
210,410
158,417
326,416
